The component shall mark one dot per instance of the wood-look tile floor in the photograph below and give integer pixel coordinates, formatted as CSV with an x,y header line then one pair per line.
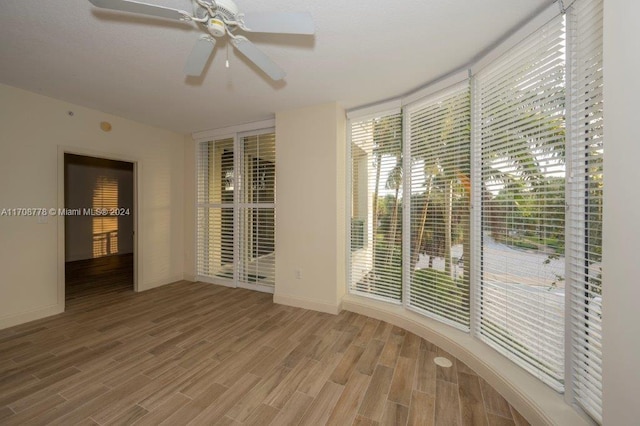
x,y
96,277
194,353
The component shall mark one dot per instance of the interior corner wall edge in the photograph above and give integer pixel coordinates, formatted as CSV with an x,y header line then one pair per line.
x,y
189,208
341,204
32,128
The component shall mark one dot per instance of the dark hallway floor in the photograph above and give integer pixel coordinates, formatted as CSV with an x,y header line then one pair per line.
x,y
100,276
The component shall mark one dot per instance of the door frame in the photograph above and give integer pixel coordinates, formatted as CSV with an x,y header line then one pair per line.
x,y
137,166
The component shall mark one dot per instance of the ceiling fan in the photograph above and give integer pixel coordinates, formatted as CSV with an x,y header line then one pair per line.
x,y
220,18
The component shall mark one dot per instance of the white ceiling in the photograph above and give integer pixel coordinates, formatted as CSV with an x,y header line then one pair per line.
x,y
131,66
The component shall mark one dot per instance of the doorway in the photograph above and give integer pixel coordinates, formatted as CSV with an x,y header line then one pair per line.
x,y
99,227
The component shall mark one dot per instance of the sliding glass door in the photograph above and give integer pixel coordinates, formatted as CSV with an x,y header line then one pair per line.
x,y
236,211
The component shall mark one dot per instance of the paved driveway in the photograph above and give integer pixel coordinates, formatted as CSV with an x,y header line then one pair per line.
x,y
510,265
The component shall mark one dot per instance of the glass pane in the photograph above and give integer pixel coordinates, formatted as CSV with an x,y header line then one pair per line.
x,y
259,169
216,173
440,196
215,242
522,142
257,224
376,207
257,264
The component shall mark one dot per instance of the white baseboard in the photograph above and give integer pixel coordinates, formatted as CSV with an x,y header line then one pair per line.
x,y
213,281
190,277
159,283
302,302
538,403
24,317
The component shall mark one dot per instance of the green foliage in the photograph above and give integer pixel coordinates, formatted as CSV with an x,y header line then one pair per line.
x,y
387,255
525,244
556,244
528,215
433,239
435,287
357,233
388,218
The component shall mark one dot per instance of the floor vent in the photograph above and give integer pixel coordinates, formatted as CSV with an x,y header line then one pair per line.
x,y
442,362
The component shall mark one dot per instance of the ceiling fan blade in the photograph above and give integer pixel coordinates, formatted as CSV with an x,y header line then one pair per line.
x,y
199,56
279,22
258,57
141,8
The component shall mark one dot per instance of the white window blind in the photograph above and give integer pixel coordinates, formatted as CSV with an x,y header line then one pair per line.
x,y
376,207
517,160
520,132
105,228
215,210
257,210
584,230
439,133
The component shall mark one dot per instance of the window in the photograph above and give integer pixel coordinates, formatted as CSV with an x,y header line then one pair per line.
x,y
439,135
105,228
376,206
501,204
520,135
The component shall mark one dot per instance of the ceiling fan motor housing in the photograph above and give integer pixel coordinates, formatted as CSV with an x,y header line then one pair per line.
x,y
216,27
225,10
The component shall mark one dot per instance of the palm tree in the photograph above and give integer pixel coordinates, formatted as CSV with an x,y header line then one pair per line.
x,y
394,181
445,156
525,145
387,144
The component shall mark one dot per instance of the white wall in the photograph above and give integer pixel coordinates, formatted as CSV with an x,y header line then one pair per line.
x,y
32,128
81,180
621,265
189,208
310,227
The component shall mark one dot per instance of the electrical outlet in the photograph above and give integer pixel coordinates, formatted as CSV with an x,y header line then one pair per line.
x,y
298,274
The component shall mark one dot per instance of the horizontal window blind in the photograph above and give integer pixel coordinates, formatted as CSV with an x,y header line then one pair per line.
x,y
214,210
519,101
376,207
518,160
105,229
257,210
584,230
439,134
